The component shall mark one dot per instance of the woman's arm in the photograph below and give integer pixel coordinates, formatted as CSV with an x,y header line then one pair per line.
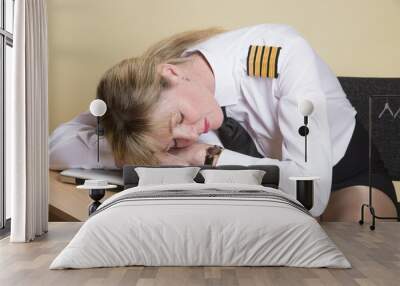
x,y
74,145
299,78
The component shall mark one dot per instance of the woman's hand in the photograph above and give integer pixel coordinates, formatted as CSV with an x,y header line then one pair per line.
x,y
194,154
167,158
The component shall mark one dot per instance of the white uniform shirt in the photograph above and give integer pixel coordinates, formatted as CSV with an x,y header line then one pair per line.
x,y
74,145
265,107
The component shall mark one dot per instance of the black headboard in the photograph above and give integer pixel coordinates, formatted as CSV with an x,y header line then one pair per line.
x,y
385,133
270,179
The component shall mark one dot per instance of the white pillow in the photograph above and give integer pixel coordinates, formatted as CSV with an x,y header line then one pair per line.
x,y
248,177
162,176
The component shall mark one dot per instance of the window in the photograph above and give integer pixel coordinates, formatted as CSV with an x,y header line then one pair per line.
x,y
6,62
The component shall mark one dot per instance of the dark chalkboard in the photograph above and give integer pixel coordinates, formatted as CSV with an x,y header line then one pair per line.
x,y
385,127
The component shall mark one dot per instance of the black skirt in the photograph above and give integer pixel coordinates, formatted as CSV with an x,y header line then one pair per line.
x,y
352,169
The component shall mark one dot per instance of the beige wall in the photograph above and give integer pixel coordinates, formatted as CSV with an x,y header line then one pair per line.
x,y
355,37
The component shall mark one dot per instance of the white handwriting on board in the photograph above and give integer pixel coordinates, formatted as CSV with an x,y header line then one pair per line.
x,y
386,109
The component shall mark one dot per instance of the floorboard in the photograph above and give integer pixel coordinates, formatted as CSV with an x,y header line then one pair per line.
x,y
375,257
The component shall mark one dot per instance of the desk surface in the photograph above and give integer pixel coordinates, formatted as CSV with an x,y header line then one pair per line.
x,y
73,203
374,255
68,199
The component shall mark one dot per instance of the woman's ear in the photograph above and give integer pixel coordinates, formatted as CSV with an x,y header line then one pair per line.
x,y
169,72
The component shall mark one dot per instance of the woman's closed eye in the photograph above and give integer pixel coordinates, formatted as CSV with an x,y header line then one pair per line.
x,y
183,134
181,118
175,120
178,122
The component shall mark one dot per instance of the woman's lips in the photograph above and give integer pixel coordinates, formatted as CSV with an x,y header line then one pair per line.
x,y
206,125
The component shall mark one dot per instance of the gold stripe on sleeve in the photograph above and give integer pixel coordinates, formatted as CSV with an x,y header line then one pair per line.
x,y
267,50
250,61
271,63
257,64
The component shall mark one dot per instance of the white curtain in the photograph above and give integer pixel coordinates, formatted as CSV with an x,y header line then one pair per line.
x,y
27,124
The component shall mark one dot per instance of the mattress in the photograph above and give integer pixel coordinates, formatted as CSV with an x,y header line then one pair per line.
x,y
201,225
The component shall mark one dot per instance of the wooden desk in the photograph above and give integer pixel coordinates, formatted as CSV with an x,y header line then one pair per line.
x,y
68,203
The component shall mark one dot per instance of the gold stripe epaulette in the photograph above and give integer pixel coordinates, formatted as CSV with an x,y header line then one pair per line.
x,y
262,61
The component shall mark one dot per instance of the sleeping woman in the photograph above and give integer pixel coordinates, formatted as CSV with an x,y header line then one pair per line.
x,y
193,92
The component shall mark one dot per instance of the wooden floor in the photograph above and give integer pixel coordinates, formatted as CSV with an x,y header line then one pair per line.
x,y
375,257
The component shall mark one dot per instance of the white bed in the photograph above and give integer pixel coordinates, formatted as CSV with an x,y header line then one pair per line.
x,y
201,224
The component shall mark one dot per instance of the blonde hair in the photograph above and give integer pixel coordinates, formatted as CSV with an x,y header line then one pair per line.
x,y
131,90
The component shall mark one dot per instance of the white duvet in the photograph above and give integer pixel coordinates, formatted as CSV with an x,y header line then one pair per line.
x,y
181,231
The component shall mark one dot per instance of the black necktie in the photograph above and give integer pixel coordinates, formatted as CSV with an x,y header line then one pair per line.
x,y
234,137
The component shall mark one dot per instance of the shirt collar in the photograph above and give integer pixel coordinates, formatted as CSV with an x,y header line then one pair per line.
x,y
223,66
